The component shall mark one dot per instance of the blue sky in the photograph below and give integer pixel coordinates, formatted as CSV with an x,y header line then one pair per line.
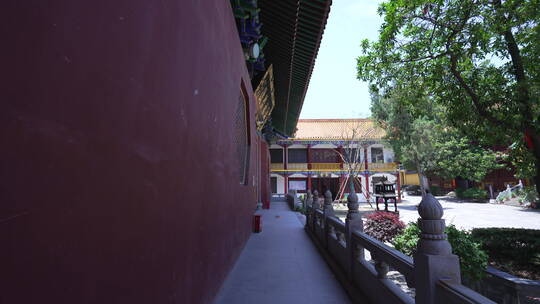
x,y
334,91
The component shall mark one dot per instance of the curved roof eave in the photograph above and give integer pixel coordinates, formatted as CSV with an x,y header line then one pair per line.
x,y
295,29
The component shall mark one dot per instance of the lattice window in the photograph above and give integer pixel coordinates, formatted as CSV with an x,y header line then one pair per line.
x,y
377,155
324,156
276,156
297,156
241,138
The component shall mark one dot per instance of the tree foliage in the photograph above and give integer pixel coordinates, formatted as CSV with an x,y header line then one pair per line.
x,y
478,59
422,141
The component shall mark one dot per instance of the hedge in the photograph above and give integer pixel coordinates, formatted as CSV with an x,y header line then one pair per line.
x,y
522,246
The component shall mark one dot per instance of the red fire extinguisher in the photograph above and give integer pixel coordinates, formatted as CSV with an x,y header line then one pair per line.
x,y
257,224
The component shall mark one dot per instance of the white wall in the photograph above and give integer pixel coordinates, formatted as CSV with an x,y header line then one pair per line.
x,y
295,146
323,146
280,183
298,175
389,156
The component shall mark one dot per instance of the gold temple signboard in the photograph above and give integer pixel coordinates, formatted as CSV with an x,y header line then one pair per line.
x,y
264,94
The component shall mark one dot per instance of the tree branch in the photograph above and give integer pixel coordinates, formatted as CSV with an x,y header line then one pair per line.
x,y
431,57
472,94
517,66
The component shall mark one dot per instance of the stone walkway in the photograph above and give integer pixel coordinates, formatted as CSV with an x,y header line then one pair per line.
x,y
281,265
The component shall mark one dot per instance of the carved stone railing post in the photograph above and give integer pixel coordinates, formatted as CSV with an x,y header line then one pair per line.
x,y
328,212
308,207
309,199
328,208
381,267
433,260
316,204
353,222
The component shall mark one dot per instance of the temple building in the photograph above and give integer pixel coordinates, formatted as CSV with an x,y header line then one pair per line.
x,y
318,157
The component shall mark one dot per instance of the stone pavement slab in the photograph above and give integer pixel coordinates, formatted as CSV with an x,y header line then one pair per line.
x,y
476,215
465,215
281,265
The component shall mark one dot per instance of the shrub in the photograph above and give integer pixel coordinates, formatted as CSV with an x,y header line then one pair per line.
x,y
472,259
528,194
436,190
472,193
521,246
383,226
406,241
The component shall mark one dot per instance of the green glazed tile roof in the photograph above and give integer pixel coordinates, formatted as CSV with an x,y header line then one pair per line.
x,y
294,29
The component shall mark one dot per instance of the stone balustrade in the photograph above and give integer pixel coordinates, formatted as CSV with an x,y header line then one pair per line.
x,y
434,272
293,200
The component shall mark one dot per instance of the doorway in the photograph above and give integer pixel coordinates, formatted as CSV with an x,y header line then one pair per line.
x,y
322,184
273,184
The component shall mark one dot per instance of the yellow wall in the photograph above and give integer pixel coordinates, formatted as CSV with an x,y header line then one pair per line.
x,y
409,178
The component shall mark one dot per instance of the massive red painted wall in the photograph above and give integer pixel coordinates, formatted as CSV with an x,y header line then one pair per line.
x,y
265,174
119,182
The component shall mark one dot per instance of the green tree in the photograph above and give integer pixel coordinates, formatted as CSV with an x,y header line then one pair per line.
x,y
417,132
479,59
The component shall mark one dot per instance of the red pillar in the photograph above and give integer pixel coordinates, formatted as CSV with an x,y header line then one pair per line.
x,y
340,150
309,167
309,156
285,157
341,181
265,175
366,174
365,158
367,185
285,161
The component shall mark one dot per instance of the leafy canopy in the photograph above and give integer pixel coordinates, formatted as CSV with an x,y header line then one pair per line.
x,y
479,60
421,140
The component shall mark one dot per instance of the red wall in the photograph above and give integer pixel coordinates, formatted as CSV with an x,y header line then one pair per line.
x,y
500,178
119,182
265,174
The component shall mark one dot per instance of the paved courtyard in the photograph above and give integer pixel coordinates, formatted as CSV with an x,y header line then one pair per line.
x,y
469,215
